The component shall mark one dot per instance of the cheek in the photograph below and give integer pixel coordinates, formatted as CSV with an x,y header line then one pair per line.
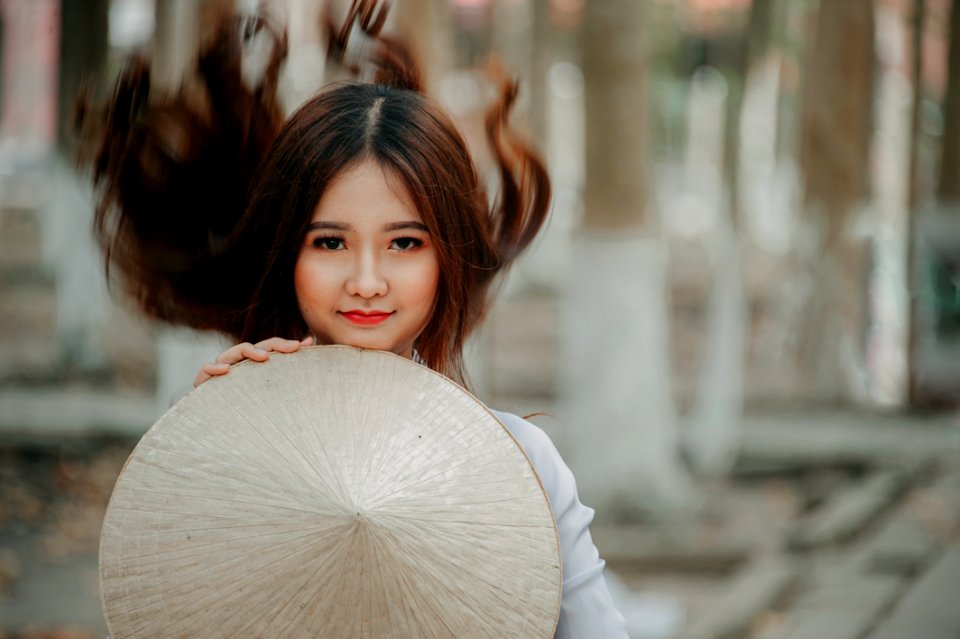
x,y
429,283
308,285
299,287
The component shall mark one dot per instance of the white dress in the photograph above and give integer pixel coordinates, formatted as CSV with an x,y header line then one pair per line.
x,y
586,610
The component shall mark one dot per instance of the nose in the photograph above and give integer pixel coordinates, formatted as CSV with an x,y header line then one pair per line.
x,y
367,279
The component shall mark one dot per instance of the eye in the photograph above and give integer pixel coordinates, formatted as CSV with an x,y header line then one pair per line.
x,y
328,243
406,243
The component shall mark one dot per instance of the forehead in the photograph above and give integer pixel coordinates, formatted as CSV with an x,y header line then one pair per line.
x,y
366,190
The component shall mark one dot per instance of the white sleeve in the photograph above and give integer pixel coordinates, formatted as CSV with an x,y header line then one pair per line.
x,y
587,610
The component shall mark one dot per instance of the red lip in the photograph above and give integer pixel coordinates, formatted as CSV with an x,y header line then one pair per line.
x,y
365,318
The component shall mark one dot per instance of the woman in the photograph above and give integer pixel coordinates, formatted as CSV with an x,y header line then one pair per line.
x,y
364,224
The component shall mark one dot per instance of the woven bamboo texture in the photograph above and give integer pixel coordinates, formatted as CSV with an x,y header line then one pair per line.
x,y
333,492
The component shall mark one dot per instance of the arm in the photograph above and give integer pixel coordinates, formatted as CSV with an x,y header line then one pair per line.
x,y
587,609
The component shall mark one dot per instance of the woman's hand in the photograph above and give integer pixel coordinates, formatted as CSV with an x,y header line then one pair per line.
x,y
259,352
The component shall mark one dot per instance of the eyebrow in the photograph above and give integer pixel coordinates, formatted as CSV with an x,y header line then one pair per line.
x,y
393,226
399,226
335,226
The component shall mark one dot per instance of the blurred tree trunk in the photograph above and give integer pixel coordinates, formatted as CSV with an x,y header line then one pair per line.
x,y
83,306
4,35
512,36
713,437
915,395
614,62
836,124
938,345
175,40
426,26
616,364
948,188
520,42
175,44
84,30
544,56
750,58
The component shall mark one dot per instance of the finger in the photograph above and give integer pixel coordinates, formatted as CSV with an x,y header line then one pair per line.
x,y
307,341
214,370
233,354
279,345
208,371
249,351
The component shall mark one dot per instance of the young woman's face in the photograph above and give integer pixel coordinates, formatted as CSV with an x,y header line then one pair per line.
x,y
367,271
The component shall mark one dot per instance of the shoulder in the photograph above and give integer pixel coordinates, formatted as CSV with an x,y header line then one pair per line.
x,y
530,437
539,449
554,473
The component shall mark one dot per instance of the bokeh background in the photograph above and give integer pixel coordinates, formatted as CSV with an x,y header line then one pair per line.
x,y
741,328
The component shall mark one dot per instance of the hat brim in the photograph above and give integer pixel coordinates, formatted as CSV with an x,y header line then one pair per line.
x,y
334,492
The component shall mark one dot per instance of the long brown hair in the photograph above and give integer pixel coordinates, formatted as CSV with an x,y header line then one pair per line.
x,y
225,259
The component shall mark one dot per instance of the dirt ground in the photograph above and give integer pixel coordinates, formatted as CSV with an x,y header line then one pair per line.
x,y
52,500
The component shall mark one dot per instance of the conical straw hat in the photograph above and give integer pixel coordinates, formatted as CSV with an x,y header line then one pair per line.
x,y
333,492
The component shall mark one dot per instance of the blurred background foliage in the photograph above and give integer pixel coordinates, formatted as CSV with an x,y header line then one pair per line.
x,y
756,212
